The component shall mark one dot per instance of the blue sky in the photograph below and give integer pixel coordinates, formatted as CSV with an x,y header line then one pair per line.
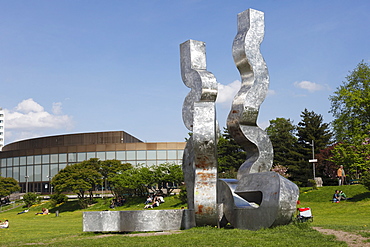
x,y
82,66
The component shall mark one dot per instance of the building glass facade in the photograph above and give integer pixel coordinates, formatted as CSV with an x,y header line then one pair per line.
x,y
34,167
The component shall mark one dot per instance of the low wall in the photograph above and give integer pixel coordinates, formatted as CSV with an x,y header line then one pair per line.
x,y
140,220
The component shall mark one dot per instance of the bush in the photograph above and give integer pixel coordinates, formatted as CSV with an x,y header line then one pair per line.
x,y
183,195
30,199
365,180
58,198
312,183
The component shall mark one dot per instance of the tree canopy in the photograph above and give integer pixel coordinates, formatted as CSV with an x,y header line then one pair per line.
x,y
350,106
8,186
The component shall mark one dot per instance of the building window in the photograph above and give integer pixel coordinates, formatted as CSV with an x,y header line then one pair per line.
x,y
81,157
100,155
45,159
62,158
111,155
72,157
37,159
141,155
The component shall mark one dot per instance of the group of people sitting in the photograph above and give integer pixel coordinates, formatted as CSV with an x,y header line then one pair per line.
x,y
338,196
155,201
117,202
45,211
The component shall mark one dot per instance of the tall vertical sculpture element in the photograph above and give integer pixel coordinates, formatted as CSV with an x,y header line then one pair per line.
x,y
258,198
200,154
242,120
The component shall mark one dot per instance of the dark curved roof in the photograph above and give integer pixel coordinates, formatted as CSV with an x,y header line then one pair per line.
x,y
109,137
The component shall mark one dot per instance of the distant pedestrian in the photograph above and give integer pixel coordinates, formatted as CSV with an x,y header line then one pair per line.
x,y
341,175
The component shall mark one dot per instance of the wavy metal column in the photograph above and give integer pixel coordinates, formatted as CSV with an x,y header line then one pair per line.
x,y
258,198
242,119
199,116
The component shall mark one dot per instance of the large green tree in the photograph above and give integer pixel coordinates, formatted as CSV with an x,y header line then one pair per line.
x,y
281,132
79,178
311,130
350,106
8,186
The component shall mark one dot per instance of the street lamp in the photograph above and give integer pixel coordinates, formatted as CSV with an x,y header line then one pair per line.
x,y
313,160
26,177
50,187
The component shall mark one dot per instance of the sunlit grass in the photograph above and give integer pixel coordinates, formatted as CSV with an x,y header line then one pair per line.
x,y
66,230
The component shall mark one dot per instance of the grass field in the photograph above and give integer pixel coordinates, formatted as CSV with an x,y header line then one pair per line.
x,y
66,230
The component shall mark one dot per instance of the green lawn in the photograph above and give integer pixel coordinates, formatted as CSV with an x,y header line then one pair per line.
x,y
66,230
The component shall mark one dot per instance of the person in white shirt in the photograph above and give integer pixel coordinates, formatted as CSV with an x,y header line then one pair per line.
x,y
5,224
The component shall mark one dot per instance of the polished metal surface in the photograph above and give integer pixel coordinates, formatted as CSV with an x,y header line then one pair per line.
x,y
258,200
199,115
242,119
140,220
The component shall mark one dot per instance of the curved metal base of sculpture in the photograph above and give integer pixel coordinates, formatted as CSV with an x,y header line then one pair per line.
x,y
140,220
258,200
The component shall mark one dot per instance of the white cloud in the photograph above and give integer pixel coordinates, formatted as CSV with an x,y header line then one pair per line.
x,y
57,108
28,105
226,93
309,86
29,119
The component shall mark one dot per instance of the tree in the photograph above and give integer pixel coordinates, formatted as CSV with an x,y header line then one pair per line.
x,y
230,155
78,178
354,158
326,166
30,199
166,175
350,106
110,168
8,186
311,130
132,182
281,132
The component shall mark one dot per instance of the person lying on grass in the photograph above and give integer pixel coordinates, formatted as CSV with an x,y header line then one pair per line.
x,y
5,224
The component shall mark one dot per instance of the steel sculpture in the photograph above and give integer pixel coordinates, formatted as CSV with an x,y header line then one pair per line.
x,y
258,198
200,159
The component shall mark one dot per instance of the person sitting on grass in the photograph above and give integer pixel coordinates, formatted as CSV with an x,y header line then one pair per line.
x,y
336,198
154,204
5,224
342,196
148,200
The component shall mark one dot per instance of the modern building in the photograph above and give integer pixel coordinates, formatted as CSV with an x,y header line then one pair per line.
x,y
2,128
34,162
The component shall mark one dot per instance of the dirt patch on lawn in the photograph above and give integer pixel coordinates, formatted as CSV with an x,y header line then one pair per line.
x,y
353,240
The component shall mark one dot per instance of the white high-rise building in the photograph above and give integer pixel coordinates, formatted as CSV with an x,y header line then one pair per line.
x,y
1,128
